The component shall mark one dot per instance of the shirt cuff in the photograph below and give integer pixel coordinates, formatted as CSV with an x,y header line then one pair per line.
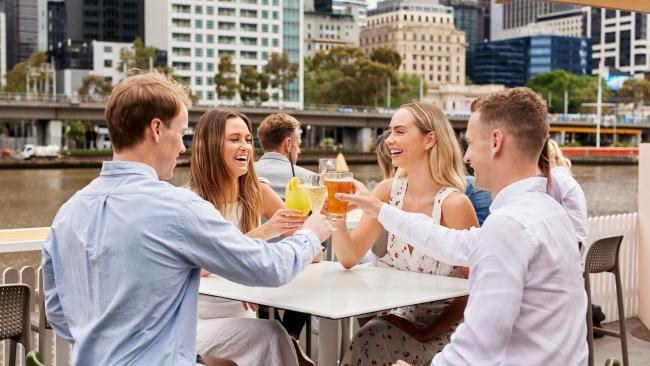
x,y
389,216
313,240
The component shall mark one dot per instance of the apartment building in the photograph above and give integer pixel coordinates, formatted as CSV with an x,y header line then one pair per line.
x,y
423,33
195,33
324,31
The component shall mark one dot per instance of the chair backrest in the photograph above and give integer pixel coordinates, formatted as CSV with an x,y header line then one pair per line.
x,y
15,313
603,255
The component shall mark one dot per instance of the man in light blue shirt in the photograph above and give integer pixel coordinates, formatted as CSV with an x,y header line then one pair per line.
x,y
121,264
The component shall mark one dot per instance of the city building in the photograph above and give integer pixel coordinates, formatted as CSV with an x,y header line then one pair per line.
x,y
571,22
109,21
468,17
106,60
3,48
56,16
357,8
513,61
42,24
195,33
459,98
509,20
21,23
621,40
324,31
423,34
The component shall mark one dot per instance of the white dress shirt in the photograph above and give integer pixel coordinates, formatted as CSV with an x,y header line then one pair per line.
x,y
527,304
567,192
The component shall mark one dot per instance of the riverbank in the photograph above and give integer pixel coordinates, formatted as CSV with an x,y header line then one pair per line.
x,y
578,155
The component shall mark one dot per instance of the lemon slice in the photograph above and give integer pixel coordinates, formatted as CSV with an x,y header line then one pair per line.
x,y
293,184
341,165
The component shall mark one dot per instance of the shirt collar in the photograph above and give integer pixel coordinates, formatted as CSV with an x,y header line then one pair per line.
x,y
515,189
127,167
274,155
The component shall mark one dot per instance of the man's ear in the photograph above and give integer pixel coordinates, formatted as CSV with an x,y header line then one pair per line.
x,y
154,129
497,139
430,140
287,145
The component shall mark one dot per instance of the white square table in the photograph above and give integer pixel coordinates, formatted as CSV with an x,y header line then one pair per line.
x,y
332,293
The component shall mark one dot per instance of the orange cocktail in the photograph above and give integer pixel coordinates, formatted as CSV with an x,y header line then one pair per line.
x,y
338,182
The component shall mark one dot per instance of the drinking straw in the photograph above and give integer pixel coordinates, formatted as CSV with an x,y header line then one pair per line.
x,y
293,172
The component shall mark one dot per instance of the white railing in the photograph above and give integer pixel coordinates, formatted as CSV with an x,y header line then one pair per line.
x,y
603,286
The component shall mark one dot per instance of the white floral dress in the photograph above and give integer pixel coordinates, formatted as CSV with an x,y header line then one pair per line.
x,y
381,343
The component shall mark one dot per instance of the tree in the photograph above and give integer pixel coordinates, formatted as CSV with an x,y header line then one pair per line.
x,y
281,72
580,89
16,79
95,86
253,85
139,57
75,132
387,56
635,91
226,78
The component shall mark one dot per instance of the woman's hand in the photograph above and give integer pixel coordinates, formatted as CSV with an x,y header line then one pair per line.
x,y
250,306
283,221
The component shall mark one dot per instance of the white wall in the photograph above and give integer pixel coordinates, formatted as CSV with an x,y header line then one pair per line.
x,y
644,234
106,58
156,23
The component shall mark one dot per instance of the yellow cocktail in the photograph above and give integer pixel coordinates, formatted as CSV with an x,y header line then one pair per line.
x,y
296,195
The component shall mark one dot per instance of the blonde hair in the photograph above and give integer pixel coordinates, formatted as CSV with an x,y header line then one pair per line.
x,y
383,156
211,179
555,155
445,157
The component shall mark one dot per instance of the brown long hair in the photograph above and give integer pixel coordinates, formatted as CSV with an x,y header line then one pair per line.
x,y
209,176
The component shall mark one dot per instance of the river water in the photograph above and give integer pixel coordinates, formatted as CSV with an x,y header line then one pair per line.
x,y
31,197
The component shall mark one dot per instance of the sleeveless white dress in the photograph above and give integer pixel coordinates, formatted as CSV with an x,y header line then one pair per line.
x,y
381,343
226,330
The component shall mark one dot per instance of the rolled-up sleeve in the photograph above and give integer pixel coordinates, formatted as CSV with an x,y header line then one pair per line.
x,y
220,247
447,245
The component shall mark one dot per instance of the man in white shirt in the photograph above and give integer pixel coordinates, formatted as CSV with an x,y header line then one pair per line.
x,y
527,304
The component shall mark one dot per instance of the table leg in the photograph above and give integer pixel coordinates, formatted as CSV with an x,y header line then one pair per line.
x,y
328,338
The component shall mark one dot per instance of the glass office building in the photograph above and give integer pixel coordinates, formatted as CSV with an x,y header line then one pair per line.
x,y
513,61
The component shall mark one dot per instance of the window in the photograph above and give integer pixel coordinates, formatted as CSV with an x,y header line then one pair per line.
x,y
247,13
265,55
265,42
209,81
198,23
265,28
210,52
108,63
226,39
198,66
248,55
198,9
177,8
198,52
276,42
247,27
199,94
198,80
226,12
210,24
209,38
108,49
248,41
265,14
226,26
276,29
209,10
275,15
181,23
210,94
198,38
210,67
181,51
181,37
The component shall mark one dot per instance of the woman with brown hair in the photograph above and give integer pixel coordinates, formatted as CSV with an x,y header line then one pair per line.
x,y
222,173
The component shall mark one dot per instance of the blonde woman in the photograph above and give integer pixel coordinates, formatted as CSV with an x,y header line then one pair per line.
x,y
430,180
567,192
222,173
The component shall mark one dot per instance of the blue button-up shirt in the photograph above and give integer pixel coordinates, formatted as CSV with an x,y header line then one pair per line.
x,y
121,266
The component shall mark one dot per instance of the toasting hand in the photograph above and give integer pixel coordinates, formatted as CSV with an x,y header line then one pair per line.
x,y
362,199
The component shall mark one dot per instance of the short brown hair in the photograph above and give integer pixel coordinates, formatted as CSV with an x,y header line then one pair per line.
x,y
275,128
136,101
521,112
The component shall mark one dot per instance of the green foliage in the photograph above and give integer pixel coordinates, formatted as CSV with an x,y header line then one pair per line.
x,y
346,76
408,90
75,130
95,85
16,78
387,56
253,85
635,91
580,89
226,79
281,71
137,58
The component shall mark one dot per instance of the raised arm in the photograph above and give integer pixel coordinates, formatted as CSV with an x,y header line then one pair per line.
x,y
351,247
211,242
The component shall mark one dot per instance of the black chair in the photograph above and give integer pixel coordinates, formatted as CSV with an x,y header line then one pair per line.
x,y
603,257
14,318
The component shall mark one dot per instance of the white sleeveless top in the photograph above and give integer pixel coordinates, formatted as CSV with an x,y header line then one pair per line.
x,y
211,307
399,256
